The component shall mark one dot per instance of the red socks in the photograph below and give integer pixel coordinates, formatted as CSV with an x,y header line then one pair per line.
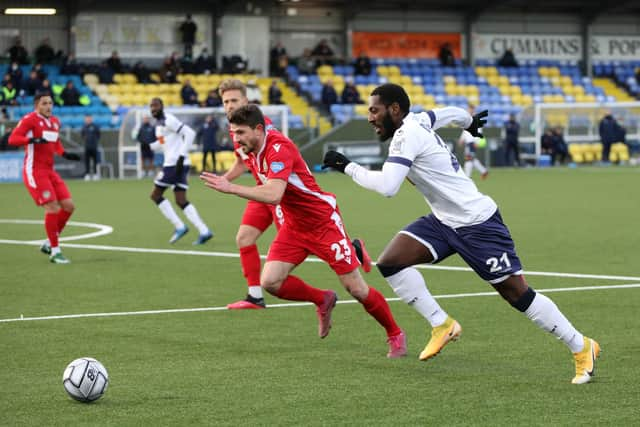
x,y
51,226
250,261
377,306
63,217
294,289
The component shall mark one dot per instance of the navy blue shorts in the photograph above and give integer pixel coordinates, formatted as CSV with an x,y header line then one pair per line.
x,y
488,247
168,178
146,151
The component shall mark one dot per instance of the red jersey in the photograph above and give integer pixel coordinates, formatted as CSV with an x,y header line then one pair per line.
x,y
268,124
38,156
304,204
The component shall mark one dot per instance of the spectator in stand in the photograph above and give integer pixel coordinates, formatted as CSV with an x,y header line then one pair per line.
x,y
187,66
362,65
511,142
9,93
146,135
213,99
275,94
17,52
638,75
560,147
208,135
70,65
91,135
254,94
188,28
306,63
37,67
16,74
546,142
105,73
508,59
323,53
44,53
70,95
6,79
329,95
33,84
114,62
350,94
278,60
45,87
188,94
142,73
205,63
168,71
609,134
446,56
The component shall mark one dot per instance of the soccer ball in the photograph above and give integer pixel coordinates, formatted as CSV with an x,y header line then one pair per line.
x,y
85,379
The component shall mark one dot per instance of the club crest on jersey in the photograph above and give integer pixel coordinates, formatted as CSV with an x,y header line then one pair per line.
x,y
396,143
46,194
276,167
276,147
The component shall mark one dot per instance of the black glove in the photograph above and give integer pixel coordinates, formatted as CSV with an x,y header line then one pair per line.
x,y
37,141
478,122
335,160
71,156
179,166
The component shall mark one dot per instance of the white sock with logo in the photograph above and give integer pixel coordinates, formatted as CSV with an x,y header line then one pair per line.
x,y
548,316
168,212
192,214
410,286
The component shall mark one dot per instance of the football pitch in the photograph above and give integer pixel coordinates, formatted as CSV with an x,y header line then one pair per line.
x,y
154,314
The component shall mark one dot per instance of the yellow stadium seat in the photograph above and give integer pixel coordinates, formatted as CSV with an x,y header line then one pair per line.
x,y
576,153
361,110
597,151
224,160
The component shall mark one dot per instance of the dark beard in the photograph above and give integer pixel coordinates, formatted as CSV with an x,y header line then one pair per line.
x,y
388,128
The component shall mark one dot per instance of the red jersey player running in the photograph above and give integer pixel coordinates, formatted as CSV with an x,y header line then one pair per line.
x,y
39,131
257,217
313,225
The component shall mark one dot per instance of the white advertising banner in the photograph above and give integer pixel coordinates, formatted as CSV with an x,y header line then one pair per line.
x,y
620,48
528,46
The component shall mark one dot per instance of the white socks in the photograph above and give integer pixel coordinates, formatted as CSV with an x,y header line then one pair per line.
x,y
479,166
475,163
410,286
468,168
192,214
547,316
255,292
167,210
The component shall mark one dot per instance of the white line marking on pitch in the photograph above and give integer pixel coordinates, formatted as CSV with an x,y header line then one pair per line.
x,y
102,230
299,304
310,259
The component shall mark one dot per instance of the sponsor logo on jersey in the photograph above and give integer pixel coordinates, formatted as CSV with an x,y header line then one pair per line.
x,y
277,167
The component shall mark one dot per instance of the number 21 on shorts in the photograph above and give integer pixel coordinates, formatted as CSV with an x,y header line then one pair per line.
x,y
497,264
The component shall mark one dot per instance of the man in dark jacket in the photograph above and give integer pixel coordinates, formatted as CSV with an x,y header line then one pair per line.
x,y
188,29
70,95
146,135
209,137
91,136
511,131
610,132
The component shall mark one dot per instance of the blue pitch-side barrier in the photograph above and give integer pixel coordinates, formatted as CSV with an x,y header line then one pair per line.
x,y
11,165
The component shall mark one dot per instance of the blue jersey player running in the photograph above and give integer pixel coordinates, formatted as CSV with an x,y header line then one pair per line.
x,y
462,221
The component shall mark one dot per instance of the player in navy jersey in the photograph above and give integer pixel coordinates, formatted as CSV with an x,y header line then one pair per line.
x,y
462,221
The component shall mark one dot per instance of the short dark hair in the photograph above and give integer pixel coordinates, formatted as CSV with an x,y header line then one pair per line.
x,y
249,115
390,93
159,100
39,95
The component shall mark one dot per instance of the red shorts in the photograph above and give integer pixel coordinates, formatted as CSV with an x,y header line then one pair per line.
x,y
261,215
45,186
328,242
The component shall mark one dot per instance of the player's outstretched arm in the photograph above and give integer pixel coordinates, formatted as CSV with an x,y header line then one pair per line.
x,y
441,117
386,182
271,192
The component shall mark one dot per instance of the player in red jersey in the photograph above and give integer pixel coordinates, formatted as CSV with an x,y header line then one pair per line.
x,y
39,131
313,225
257,217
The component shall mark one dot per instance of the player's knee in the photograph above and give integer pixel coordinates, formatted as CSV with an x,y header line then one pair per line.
x,y
157,198
388,269
270,285
244,239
